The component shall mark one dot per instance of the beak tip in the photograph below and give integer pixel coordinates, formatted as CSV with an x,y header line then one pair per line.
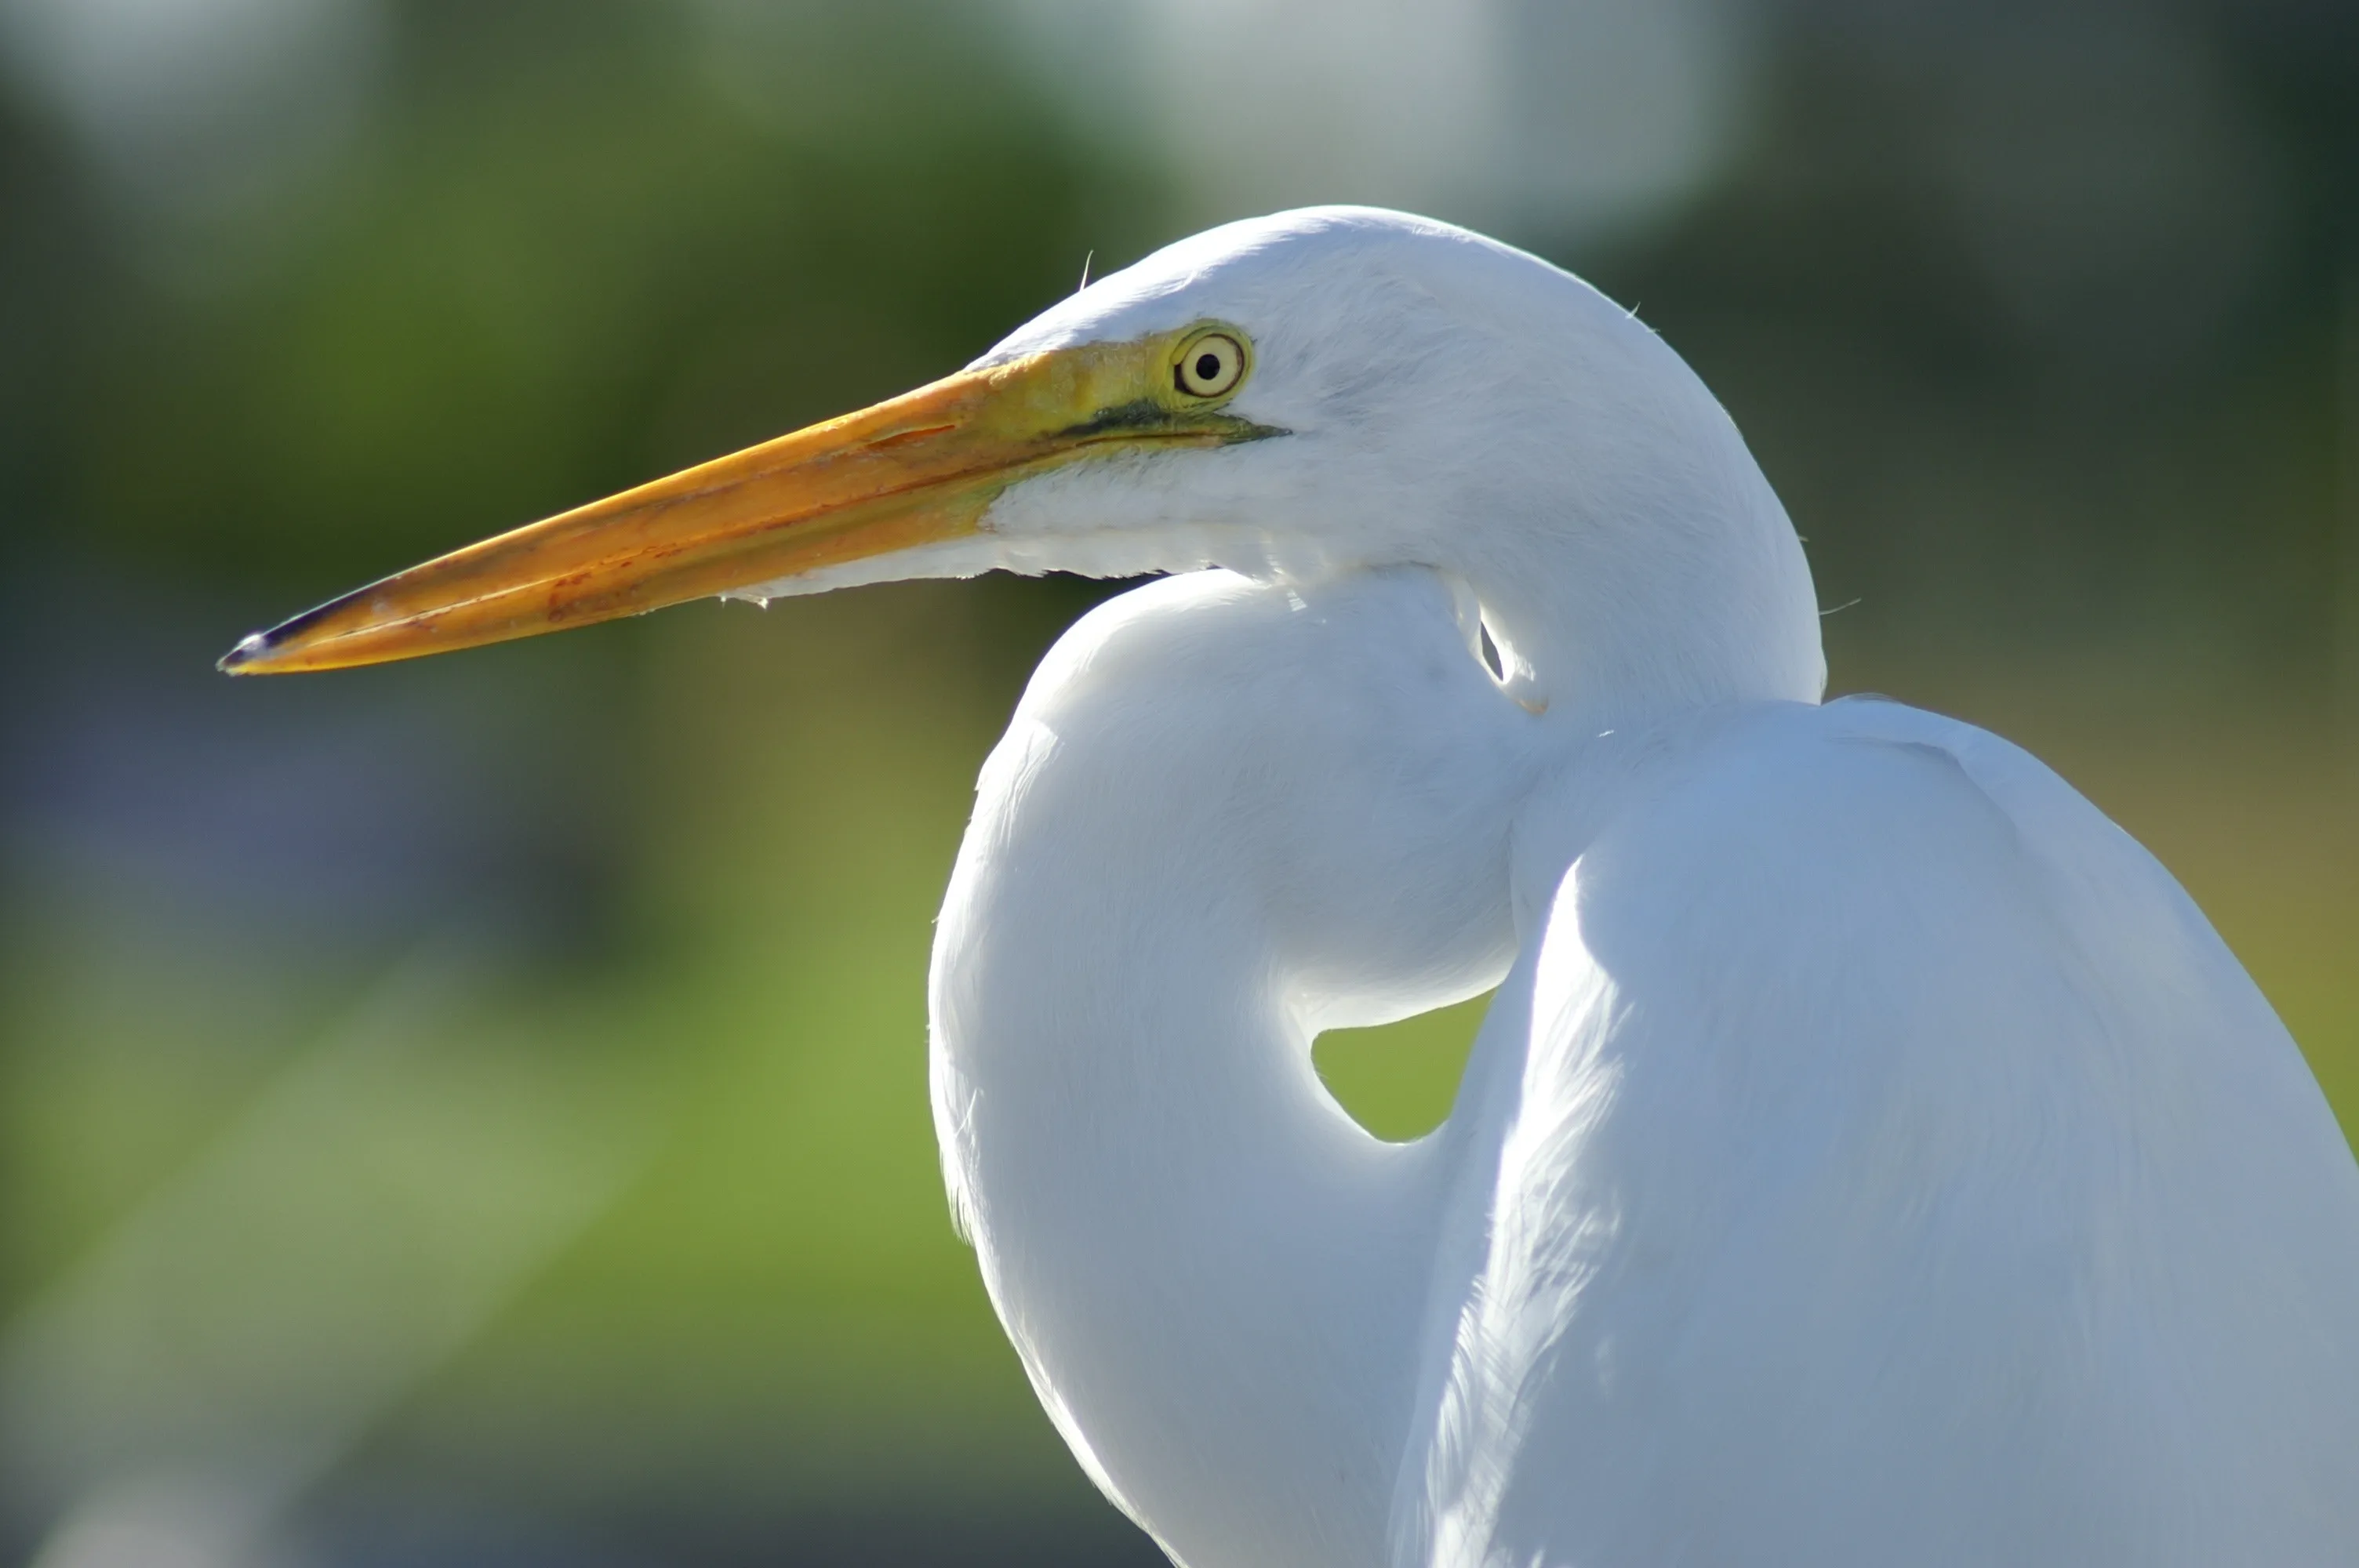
x,y
240,659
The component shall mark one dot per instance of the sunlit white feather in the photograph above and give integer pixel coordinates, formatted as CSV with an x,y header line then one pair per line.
x,y
1871,1155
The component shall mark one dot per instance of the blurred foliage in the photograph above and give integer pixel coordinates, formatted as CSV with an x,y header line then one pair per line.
x,y
570,246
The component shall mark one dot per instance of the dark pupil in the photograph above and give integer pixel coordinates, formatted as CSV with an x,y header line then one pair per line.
x,y
1207,366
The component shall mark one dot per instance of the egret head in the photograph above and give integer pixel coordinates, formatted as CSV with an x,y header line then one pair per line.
x,y
1290,397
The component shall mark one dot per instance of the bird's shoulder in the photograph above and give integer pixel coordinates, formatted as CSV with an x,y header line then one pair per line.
x,y
1882,1159
1785,846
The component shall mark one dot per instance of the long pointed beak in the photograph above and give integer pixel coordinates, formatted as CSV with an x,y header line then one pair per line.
x,y
919,468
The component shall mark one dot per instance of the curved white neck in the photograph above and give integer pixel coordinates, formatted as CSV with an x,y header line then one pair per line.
x,y
1215,1280
1215,826
1226,815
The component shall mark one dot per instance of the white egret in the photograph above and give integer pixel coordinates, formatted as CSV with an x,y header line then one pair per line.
x,y
1871,1156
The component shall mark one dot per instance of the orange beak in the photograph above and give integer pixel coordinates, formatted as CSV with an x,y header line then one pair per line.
x,y
920,468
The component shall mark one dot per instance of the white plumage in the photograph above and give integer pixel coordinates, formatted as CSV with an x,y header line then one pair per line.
x,y
1872,1155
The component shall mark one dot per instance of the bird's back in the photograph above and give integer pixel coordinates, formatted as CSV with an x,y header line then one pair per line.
x,y
1878,1158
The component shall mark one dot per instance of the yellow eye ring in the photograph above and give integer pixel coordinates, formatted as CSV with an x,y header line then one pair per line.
x,y
1210,366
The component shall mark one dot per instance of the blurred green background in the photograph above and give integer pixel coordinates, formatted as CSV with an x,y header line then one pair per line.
x,y
473,1113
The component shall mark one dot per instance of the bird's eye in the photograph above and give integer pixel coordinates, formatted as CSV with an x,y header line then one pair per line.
x,y
1210,366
